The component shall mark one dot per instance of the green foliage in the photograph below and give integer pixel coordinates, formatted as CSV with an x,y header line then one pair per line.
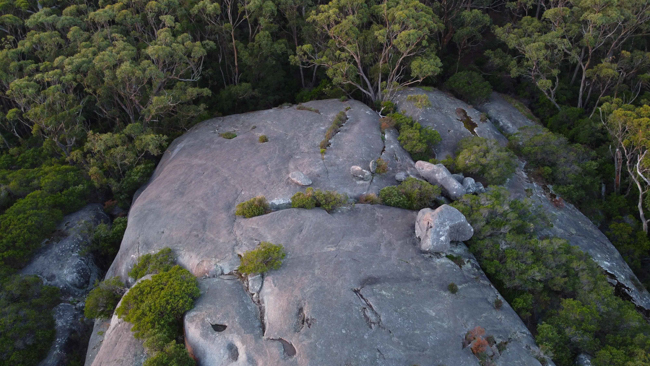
x,y
328,200
387,107
27,326
485,158
132,181
229,135
632,243
469,86
106,240
262,139
382,166
420,100
159,262
264,258
453,288
172,354
339,120
414,138
548,282
301,107
156,306
253,207
102,300
411,194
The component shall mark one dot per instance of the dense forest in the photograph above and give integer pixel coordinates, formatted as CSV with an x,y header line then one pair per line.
x,y
92,92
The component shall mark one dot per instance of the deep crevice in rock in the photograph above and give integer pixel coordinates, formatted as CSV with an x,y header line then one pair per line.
x,y
287,347
371,315
302,320
218,327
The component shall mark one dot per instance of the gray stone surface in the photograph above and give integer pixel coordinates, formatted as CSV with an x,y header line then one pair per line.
x,y
360,174
299,178
471,186
64,262
401,176
437,228
71,325
443,117
504,115
583,360
354,288
459,177
439,175
372,166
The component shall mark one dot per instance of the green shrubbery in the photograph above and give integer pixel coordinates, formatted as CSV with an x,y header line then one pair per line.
x,y
339,120
420,100
328,200
486,159
411,194
229,135
469,86
414,138
551,284
382,166
27,326
262,259
102,300
159,262
253,207
106,240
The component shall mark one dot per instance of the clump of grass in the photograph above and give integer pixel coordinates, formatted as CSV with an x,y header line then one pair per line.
x,y
369,199
265,257
254,207
420,100
453,288
301,107
456,259
262,139
328,200
228,135
382,166
339,120
498,303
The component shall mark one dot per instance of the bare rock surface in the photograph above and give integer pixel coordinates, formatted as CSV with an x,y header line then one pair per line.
x,y
64,262
504,115
71,326
446,115
299,178
354,287
439,175
437,228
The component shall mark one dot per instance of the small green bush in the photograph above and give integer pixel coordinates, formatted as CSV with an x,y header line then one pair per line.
x,y
453,288
304,199
469,86
420,100
254,207
262,259
102,300
106,240
132,181
228,135
171,354
486,159
387,107
262,139
414,138
301,107
156,306
328,200
382,166
411,194
160,262
339,120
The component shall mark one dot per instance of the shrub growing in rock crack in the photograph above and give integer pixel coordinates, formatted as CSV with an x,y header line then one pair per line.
x,y
486,159
328,200
411,194
159,262
453,288
102,300
265,257
382,166
254,207
304,199
262,139
228,135
420,100
414,138
369,199
339,120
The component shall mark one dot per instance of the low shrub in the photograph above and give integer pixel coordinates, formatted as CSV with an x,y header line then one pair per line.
x,y
229,135
159,262
420,100
382,166
414,138
485,158
328,200
171,354
262,139
469,86
453,288
102,300
387,107
339,120
301,107
411,194
254,207
369,199
132,181
106,240
156,306
262,259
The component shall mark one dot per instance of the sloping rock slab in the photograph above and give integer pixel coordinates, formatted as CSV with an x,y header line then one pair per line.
x,y
504,115
190,201
444,116
353,289
65,263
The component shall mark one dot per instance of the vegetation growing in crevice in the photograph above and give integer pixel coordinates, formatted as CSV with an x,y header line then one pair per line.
x,y
262,139
334,128
328,200
254,207
102,300
155,263
228,135
419,100
301,107
264,258
484,159
411,194
382,166
414,138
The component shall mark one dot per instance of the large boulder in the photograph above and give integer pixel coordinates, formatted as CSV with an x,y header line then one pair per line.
x,y
65,261
437,228
439,175
354,287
